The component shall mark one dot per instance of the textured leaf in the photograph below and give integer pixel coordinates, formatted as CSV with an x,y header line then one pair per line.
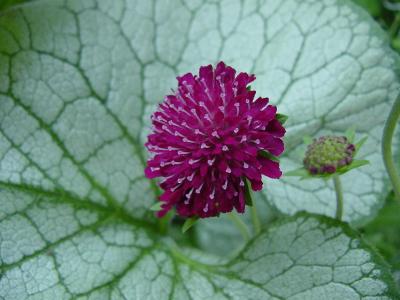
x,y
325,63
57,247
78,81
329,68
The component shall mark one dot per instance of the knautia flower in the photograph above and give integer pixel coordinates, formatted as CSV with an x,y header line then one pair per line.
x,y
327,154
208,139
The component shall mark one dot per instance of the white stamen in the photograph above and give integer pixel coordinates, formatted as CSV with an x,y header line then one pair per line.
x,y
183,152
212,195
236,130
225,148
154,169
207,117
203,145
188,195
190,178
189,96
186,140
211,161
177,133
174,188
215,134
257,141
245,165
193,161
180,180
228,170
198,190
197,131
181,109
161,119
244,138
167,178
225,184
205,209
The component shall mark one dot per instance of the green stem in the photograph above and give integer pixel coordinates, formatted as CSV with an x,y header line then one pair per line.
x,y
255,219
394,27
388,132
339,197
240,225
164,222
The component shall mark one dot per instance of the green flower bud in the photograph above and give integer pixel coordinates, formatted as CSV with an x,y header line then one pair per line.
x,y
327,154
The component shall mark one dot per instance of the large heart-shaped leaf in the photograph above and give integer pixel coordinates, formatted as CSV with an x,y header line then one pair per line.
x,y
56,247
78,80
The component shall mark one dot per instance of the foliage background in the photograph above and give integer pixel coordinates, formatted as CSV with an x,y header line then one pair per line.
x,y
384,231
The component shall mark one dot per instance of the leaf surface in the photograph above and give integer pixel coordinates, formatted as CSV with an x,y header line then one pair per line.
x,y
78,82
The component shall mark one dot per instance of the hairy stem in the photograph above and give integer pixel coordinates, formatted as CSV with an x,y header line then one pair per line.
x,y
388,132
240,225
339,197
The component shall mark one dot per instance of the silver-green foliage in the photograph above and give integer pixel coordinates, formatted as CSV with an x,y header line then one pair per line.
x,y
78,81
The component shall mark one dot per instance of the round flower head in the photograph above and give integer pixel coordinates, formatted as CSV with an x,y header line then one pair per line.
x,y
328,153
208,138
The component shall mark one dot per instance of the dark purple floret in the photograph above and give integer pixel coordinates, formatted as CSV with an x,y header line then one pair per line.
x,y
206,142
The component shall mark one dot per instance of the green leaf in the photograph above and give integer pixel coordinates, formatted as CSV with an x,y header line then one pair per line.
x,y
247,190
355,164
350,134
268,155
78,82
156,206
4,4
300,172
188,224
58,247
282,118
354,85
374,7
359,144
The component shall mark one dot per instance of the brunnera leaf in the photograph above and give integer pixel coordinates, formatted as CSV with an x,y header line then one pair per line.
x,y
78,82
54,246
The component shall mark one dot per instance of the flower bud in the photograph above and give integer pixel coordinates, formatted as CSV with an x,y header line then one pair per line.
x,y
327,154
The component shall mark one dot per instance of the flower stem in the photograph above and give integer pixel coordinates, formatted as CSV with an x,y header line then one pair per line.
x,y
339,197
387,147
164,222
394,28
240,225
255,219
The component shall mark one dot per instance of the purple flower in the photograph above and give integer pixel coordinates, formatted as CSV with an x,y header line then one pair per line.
x,y
208,138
